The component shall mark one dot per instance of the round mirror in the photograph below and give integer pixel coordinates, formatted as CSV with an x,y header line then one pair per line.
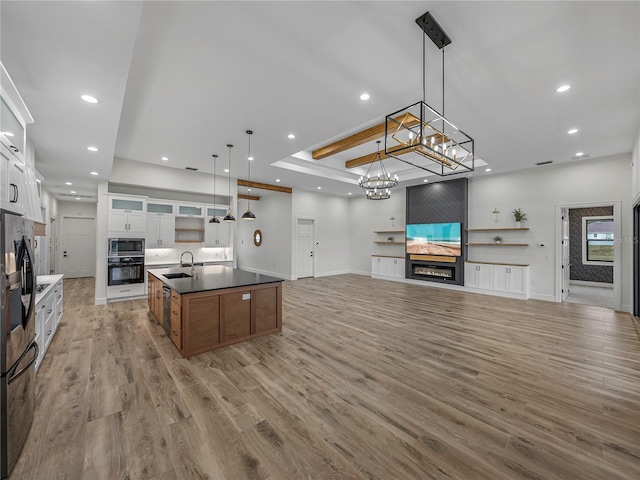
x,y
257,238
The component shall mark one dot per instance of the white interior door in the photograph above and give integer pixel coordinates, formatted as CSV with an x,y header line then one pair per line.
x,y
304,248
566,264
79,247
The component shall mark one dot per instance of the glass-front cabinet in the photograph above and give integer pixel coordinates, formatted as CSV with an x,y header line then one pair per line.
x,y
126,215
216,234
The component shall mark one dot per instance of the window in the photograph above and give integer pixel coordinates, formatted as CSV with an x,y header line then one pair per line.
x,y
597,240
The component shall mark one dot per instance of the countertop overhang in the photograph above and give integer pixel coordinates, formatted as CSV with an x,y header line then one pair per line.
x,y
210,277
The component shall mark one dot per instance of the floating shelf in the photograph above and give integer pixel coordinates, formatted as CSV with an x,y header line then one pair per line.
x,y
389,231
497,229
189,241
390,243
189,229
497,245
498,263
387,256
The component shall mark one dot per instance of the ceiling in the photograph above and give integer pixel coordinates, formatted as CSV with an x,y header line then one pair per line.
x,y
184,79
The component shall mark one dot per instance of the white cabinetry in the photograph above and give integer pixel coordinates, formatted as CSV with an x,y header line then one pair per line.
x,y
478,275
498,279
216,234
126,216
13,180
49,309
387,267
161,224
190,210
510,279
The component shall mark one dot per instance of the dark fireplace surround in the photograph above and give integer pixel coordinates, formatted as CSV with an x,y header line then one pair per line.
x,y
440,202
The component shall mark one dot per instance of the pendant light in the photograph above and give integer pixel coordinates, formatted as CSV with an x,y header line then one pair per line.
x,y
249,215
215,218
229,216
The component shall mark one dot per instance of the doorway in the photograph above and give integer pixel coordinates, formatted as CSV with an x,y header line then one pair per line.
x,y
305,247
79,247
52,244
588,259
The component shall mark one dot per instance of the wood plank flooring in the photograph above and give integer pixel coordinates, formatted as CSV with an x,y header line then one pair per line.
x,y
369,379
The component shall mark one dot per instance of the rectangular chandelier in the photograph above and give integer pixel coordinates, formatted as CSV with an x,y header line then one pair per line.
x,y
420,136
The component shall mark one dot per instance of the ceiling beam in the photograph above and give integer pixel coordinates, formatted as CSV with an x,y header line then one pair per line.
x,y
242,196
360,138
264,186
364,160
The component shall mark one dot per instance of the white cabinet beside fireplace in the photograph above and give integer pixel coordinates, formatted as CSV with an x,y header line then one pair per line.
x,y
382,267
497,279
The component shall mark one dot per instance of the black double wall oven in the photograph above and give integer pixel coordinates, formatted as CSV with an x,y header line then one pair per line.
x,y
125,263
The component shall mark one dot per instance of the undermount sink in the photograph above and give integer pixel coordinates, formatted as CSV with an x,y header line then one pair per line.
x,y
40,287
176,275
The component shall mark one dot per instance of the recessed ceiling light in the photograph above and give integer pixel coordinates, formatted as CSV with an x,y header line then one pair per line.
x,y
226,170
277,180
365,96
68,183
72,191
77,198
165,158
7,134
572,131
579,154
89,99
94,173
249,158
319,188
349,193
92,149
425,180
291,135
563,88
487,169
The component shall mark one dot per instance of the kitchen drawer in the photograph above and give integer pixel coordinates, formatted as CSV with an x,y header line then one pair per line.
x,y
176,326
176,297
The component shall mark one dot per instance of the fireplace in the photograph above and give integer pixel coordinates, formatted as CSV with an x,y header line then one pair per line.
x,y
433,272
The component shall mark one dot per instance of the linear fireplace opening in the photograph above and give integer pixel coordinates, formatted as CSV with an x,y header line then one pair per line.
x,y
433,272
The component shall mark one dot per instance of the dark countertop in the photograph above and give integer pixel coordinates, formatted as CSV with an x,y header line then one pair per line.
x,y
211,277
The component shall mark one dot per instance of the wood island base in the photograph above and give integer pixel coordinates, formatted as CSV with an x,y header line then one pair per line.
x,y
202,321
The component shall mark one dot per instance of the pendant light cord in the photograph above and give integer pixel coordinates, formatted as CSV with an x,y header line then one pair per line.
x,y
424,69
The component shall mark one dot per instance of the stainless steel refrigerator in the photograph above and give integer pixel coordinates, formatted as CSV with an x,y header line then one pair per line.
x,y
18,349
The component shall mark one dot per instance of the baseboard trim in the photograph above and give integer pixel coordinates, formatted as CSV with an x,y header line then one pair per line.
x,y
100,301
543,297
331,274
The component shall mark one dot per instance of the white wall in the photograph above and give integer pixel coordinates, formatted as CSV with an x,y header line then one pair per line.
x,y
273,218
367,216
538,191
331,215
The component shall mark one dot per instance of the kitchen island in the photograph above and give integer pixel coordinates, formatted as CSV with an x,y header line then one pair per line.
x,y
214,307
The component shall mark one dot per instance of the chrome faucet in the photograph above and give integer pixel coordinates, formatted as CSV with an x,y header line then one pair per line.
x,y
181,263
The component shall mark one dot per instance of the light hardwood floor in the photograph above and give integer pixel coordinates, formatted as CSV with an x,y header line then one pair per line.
x,y
369,380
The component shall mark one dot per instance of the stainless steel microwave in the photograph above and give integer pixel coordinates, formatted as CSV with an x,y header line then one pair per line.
x,y
121,247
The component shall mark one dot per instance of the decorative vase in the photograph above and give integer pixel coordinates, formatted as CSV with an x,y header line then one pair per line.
x,y
498,241
517,224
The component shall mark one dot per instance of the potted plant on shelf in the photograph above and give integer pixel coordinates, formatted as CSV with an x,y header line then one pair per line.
x,y
390,239
519,215
497,239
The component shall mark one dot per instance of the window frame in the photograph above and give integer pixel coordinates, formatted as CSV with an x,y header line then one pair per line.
x,y
585,241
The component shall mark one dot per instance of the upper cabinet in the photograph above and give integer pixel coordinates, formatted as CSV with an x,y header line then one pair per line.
x,y
127,216
190,210
161,224
18,187
216,234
